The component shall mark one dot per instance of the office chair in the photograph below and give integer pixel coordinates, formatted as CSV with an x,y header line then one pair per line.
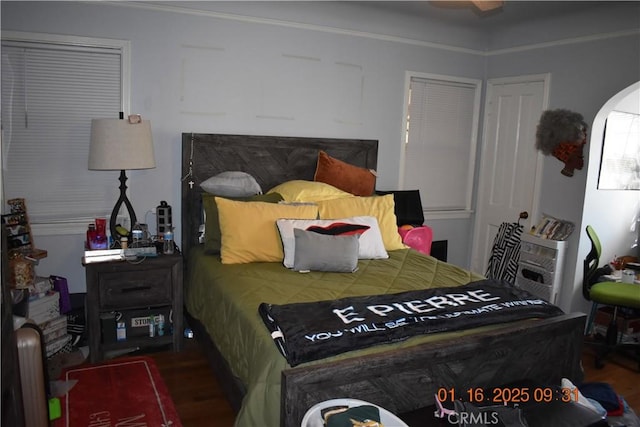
x,y
615,294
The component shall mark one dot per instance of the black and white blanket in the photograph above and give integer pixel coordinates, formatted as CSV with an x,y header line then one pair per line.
x,y
309,331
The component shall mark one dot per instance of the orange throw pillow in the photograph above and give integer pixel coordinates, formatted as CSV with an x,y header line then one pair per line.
x,y
352,179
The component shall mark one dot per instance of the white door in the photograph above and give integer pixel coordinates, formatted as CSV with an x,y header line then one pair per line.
x,y
510,172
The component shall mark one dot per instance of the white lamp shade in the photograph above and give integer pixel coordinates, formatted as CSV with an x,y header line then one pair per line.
x,y
119,145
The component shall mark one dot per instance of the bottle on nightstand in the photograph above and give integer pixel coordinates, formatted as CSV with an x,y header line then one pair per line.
x,y
167,248
137,234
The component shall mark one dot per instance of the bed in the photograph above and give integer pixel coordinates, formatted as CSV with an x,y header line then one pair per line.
x,y
222,306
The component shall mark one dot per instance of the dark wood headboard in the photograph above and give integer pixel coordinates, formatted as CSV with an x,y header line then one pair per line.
x,y
271,160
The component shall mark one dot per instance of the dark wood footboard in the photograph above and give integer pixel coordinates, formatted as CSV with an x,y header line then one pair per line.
x,y
543,351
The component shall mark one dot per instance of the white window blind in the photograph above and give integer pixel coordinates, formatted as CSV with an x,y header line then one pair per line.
x,y
440,141
50,93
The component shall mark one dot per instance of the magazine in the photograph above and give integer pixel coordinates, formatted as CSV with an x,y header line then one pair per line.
x,y
552,228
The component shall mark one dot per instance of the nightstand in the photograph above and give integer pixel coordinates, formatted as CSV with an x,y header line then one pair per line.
x,y
132,295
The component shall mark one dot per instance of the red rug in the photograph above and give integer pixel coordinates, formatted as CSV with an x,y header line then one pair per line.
x,y
126,391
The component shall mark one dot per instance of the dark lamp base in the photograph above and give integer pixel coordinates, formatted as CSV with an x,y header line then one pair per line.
x,y
117,231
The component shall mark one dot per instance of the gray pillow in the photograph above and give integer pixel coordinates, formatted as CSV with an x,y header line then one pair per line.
x,y
232,184
320,252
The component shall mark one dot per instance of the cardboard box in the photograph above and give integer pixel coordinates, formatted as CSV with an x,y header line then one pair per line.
x,y
137,321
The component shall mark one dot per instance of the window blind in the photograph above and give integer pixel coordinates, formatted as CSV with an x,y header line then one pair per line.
x,y
440,142
50,93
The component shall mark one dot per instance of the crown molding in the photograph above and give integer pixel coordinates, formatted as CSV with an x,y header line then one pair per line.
x,y
561,42
365,34
290,24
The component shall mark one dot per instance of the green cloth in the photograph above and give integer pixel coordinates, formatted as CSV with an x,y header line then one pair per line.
x,y
225,298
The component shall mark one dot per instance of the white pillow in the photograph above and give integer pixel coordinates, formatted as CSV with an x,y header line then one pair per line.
x,y
232,184
370,241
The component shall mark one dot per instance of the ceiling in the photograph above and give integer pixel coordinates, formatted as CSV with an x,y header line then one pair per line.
x,y
463,13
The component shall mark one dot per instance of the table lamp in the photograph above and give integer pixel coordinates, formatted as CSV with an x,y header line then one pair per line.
x,y
120,144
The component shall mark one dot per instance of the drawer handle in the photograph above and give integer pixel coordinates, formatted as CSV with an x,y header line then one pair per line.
x,y
135,289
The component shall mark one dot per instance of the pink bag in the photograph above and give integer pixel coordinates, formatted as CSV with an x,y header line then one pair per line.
x,y
418,238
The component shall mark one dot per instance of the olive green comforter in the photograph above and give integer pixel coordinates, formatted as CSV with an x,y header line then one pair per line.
x,y
225,298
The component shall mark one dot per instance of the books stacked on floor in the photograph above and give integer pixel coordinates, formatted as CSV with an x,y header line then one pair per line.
x,y
44,308
55,335
44,311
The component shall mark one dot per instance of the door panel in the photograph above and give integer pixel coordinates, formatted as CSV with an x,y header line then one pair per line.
x,y
510,172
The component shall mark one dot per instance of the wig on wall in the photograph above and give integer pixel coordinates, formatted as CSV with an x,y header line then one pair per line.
x,y
558,126
562,133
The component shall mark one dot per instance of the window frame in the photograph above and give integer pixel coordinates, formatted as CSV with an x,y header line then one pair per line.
x,y
467,210
115,46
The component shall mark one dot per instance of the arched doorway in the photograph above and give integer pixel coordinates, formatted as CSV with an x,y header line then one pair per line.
x,y
613,213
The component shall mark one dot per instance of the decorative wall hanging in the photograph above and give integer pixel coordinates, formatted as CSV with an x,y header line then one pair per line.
x,y
563,134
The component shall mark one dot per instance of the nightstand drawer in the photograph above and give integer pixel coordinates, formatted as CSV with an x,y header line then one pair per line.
x,y
135,288
149,287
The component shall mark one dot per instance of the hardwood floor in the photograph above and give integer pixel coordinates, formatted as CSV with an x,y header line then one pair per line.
x,y
620,372
193,387
200,402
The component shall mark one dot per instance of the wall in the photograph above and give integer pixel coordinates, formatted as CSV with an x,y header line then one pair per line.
x,y
614,214
194,72
230,72
579,21
584,75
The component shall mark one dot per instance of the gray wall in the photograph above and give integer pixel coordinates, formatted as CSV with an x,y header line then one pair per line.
x,y
254,78
254,70
614,214
584,76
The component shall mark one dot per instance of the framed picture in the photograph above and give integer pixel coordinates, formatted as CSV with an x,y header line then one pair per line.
x,y
17,225
620,166
17,206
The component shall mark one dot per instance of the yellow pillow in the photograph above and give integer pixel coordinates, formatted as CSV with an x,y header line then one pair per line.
x,y
381,207
308,191
249,232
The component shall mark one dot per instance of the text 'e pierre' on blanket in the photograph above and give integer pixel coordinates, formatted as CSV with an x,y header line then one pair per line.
x,y
314,330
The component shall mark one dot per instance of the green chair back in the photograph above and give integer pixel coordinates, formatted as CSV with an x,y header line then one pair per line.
x,y
595,241
591,262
